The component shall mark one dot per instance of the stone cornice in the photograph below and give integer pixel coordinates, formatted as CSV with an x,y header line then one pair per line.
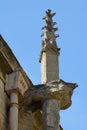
x,y
8,54
9,63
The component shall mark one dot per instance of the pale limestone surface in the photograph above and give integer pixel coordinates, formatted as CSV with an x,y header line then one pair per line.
x,y
3,107
49,66
50,72
13,112
50,51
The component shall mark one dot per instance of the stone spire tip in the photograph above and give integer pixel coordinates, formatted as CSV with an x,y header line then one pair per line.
x,y
49,29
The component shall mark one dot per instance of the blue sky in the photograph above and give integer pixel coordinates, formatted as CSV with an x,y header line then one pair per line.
x,y
20,25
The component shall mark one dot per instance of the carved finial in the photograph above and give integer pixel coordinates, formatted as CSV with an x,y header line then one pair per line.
x,y
49,30
49,14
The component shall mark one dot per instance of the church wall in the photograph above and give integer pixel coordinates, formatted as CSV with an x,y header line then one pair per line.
x,y
25,120
3,107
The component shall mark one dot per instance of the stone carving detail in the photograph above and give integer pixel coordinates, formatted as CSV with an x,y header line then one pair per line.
x,y
49,34
49,41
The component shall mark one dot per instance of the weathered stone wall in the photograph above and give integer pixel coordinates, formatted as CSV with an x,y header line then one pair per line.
x,y
3,108
25,120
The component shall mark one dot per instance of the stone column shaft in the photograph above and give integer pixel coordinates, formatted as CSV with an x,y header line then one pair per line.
x,y
51,117
13,115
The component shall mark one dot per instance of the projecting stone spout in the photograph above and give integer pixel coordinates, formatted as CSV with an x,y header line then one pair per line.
x,y
57,89
62,91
